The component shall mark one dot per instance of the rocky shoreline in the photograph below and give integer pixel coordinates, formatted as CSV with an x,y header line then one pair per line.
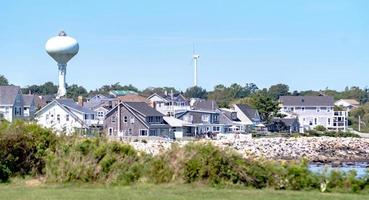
x,y
314,149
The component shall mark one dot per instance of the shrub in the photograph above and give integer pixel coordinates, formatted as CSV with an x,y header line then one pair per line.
x,y
4,173
320,128
23,147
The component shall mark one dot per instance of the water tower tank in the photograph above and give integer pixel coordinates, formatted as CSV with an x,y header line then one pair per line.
x,y
62,48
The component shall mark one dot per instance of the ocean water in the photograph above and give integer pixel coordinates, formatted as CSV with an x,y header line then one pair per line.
x,y
360,168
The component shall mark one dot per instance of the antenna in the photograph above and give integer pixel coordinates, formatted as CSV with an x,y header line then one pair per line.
x,y
195,58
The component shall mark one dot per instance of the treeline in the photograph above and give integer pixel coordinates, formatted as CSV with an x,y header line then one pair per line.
x,y
224,95
29,150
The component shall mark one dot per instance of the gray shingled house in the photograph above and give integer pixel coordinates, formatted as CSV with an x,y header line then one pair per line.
x,y
11,103
135,119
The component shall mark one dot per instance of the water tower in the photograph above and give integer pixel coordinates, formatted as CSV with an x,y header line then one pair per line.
x,y
62,48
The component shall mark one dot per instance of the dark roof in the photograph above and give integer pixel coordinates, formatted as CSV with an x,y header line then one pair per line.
x,y
28,99
307,100
143,108
70,104
251,113
208,105
8,94
228,114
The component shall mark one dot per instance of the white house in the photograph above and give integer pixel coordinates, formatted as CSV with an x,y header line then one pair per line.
x,y
11,103
169,104
313,111
246,114
347,104
65,116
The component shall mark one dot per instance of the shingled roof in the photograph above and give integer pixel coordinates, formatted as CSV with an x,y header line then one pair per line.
x,y
143,108
70,104
307,100
8,94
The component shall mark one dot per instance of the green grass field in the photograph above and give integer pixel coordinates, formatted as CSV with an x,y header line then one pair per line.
x,y
165,192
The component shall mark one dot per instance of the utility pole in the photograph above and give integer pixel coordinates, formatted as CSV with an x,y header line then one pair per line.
x,y
359,123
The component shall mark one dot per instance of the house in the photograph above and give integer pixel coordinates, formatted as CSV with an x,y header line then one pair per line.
x,y
169,104
347,104
66,117
246,114
178,128
135,119
232,124
286,125
201,122
11,103
29,106
313,111
97,101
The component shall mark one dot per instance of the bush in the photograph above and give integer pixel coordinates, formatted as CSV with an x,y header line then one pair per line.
x,y
320,128
23,147
93,160
4,173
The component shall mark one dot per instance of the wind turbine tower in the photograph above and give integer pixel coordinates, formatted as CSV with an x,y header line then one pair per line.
x,y
62,48
195,58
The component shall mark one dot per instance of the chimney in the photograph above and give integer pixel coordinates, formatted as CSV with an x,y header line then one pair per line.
x,y
166,93
80,100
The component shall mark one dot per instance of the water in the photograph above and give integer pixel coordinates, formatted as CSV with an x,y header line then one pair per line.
x,y
360,168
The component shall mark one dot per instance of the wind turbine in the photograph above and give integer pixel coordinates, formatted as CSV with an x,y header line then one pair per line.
x,y
195,58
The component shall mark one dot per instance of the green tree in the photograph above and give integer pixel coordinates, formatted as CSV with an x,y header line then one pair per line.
x,y
196,92
266,105
3,81
74,91
47,88
278,90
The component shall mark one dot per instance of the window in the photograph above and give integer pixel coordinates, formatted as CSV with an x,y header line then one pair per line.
x,y
67,118
58,118
216,128
315,121
130,131
143,132
86,116
215,118
125,119
188,118
317,110
329,121
47,116
205,118
92,116
110,131
153,132
302,109
100,114
113,118
132,120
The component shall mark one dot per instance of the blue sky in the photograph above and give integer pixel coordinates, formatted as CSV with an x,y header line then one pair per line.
x,y
307,44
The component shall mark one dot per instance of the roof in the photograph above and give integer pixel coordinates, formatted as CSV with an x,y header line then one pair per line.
x,y
96,101
228,113
8,94
350,101
133,98
169,96
174,122
28,99
122,92
307,100
251,113
70,104
208,105
143,108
